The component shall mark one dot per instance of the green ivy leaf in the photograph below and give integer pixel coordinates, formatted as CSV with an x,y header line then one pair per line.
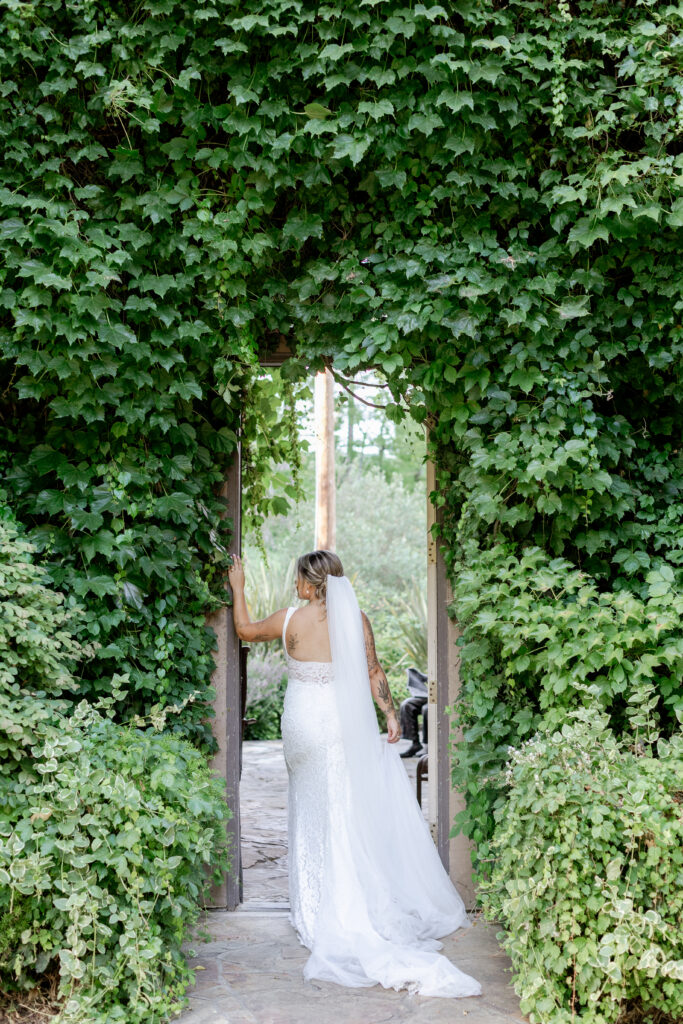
x,y
353,147
586,231
317,110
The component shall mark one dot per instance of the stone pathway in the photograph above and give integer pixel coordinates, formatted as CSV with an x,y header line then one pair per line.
x,y
250,970
263,806
263,809
251,973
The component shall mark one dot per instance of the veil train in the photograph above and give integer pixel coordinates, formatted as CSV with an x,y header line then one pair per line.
x,y
386,898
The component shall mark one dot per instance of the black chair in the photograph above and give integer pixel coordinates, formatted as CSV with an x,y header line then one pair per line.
x,y
422,773
411,708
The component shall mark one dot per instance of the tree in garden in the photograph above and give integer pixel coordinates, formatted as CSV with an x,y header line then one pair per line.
x,y
325,488
105,830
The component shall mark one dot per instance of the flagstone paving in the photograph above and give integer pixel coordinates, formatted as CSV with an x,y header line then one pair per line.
x,y
251,973
250,969
263,806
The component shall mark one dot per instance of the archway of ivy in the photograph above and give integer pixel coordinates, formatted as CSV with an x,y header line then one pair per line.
x,y
482,201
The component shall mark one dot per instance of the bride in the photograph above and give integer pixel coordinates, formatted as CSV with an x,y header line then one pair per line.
x,y
369,896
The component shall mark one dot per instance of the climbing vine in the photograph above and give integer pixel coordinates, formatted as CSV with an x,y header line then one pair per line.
x,y
482,201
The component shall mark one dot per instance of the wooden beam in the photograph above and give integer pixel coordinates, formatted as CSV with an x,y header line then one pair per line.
x,y
460,847
276,355
437,685
227,706
325,488
444,687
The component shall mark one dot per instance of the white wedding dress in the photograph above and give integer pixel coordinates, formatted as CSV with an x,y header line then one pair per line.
x,y
368,894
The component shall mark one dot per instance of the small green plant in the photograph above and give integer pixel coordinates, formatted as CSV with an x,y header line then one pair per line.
x,y
105,830
269,588
103,848
410,615
266,684
540,637
586,873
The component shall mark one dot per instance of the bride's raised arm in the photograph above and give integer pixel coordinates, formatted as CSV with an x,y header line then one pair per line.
x,y
264,629
378,682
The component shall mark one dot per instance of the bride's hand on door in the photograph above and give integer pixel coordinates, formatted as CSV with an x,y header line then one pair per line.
x,y
236,573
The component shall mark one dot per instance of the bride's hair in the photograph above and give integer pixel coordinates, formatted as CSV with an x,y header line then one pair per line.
x,y
315,568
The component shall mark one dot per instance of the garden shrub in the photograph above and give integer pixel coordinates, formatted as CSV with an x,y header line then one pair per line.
x,y
103,848
105,830
587,872
37,648
102,855
267,682
539,637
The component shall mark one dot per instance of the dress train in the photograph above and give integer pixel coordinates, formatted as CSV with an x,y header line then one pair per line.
x,y
370,903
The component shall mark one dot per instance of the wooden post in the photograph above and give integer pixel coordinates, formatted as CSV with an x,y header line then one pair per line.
x,y
227,706
460,847
443,688
325,492
351,419
437,683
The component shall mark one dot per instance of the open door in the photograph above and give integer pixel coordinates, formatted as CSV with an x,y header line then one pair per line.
x,y
229,681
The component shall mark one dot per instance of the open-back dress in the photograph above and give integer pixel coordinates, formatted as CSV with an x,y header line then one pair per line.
x,y
365,922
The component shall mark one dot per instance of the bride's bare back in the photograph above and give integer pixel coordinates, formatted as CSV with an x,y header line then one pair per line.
x,y
307,637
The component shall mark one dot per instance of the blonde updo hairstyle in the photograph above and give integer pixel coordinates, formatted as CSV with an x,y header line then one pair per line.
x,y
315,568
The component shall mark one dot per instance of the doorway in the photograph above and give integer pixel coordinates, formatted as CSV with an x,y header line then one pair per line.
x,y
229,681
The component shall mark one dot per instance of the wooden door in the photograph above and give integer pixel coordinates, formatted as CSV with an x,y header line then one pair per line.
x,y
229,682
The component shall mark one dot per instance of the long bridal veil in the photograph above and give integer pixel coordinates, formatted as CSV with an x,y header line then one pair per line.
x,y
386,897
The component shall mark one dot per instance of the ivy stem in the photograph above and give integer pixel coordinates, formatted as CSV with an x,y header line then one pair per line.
x,y
340,380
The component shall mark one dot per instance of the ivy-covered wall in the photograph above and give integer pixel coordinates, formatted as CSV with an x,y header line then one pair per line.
x,y
482,199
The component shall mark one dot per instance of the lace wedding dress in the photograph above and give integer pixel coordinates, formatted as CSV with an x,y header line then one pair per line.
x,y
368,894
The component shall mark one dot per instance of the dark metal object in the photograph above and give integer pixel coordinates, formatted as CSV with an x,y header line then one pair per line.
x,y
422,772
244,651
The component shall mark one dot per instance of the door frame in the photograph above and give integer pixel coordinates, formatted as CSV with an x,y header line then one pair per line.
x,y
443,674
225,725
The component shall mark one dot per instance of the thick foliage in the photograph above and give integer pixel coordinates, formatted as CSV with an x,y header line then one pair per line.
x,y
588,879
483,201
541,638
121,400
37,649
105,830
103,848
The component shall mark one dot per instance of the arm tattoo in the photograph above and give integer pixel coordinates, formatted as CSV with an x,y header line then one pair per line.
x,y
384,694
375,669
373,663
